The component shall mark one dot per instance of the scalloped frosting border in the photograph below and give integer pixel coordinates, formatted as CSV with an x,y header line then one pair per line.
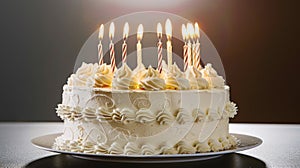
x,y
130,148
142,115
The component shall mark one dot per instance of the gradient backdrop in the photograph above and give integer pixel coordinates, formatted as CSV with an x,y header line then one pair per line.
x,y
258,41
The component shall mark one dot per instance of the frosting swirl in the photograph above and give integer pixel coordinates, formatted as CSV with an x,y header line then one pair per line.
x,y
103,76
139,71
214,80
231,109
195,78
84,76
124,79
175,79
151,80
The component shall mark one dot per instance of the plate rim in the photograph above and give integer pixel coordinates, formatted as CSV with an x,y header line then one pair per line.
x,y
259,141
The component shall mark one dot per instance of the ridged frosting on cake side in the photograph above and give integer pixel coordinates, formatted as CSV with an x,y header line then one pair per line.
x,y
130,148
90,138
144,106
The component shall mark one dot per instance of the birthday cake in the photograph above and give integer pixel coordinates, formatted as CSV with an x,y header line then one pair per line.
x,y
145,111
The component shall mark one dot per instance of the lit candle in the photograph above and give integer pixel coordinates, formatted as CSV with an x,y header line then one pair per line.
x,y
111,46
185,47
197,47
124,46
100,49
139,45
190,35
168,28
159,48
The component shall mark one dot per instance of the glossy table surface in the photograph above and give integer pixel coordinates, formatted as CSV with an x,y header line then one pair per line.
x,y
280,149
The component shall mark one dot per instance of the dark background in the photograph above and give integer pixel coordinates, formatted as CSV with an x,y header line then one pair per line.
x,y
257,40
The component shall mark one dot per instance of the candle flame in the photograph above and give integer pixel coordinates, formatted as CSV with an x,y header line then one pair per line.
x,y
159,30
168,28
197,31
111,30
101,32
125,31
184,32
140,32
190,30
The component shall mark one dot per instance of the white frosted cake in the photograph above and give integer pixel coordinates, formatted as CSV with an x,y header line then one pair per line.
x,y
144,112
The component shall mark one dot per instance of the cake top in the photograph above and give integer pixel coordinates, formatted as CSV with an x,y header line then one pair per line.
x,y
167,76
141,78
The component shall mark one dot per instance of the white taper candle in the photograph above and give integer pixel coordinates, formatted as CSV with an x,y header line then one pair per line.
x,y
139,45
168,28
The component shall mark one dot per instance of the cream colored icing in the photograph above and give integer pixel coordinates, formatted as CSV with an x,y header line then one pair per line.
x,y
131,148
127,120
146,79
103,76
231,109
175,79
151,80
124,79
211,75
84,76
195,78
139,71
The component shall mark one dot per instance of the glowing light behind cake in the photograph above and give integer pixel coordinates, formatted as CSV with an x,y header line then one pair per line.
x,y
157,4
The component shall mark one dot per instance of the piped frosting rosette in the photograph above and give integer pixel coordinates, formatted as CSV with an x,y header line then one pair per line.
x,y
124,79
211,75
84,76
151,80
175,79
103,76
195,78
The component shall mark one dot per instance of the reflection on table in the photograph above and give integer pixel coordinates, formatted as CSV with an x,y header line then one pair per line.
x,y
234,160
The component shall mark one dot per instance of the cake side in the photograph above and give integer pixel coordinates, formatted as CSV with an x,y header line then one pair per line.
x,y
145,112
115,120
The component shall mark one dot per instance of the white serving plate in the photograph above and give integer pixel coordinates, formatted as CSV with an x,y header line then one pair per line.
x,y
245,142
